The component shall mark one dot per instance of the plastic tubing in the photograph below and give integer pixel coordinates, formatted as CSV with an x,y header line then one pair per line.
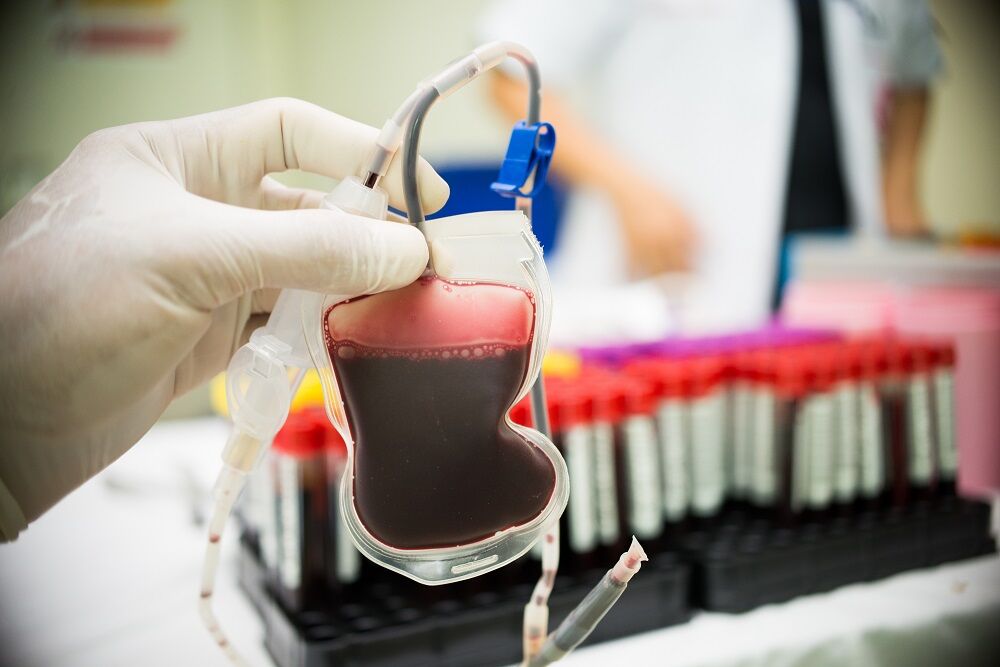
x,y
447,82
227,489
585,617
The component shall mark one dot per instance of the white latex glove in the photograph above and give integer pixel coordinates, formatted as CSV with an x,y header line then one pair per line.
x,y
134,271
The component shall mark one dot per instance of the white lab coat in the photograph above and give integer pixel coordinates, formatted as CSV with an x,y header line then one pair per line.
x,y
700,95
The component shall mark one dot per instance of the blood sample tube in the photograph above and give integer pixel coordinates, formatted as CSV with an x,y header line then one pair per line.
x,y
300,473
673,436
765,469
790,389
741,433
820,434
343,560
847,376
605,415
894,396
872,453
919,423
706,422
638,460
574,440
943,355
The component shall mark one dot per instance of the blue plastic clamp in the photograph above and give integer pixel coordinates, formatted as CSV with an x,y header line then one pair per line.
x,y
529,152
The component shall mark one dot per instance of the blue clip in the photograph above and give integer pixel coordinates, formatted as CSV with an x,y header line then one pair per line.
x,y
529,152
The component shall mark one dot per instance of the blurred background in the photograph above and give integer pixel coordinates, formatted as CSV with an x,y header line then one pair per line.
x,y
72,67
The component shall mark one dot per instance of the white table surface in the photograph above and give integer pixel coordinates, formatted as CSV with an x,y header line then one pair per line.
x,y
110,577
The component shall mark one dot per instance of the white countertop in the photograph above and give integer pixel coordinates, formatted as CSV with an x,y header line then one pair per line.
x,y
110,577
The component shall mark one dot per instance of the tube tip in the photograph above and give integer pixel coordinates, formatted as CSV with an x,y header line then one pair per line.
x,y
630,562
635,549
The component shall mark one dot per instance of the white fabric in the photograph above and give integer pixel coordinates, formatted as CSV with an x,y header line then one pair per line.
x,y
133,272
699,94
110,577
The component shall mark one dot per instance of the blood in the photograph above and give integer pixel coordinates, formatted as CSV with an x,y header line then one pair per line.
x,y
428,373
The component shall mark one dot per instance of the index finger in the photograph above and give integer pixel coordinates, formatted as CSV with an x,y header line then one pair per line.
x,y
285,133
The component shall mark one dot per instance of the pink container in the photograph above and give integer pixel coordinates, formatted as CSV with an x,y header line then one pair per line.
x,y
970,318
851,307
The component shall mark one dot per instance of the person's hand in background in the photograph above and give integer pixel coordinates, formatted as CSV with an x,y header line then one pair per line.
x,y
658,234
902,143
904,214
134,271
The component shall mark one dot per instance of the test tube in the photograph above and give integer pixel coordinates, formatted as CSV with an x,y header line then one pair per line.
x,y
765,467
943,356
343,560
820,431
790,387
706,408
673,435
572,432
300,475
605,415
919,418
894,395
872,453
638,459
742,431
847,463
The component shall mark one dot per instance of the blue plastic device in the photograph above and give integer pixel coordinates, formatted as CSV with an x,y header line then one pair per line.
x,y
529,152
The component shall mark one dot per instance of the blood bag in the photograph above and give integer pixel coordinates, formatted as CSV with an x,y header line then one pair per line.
x,y
440,483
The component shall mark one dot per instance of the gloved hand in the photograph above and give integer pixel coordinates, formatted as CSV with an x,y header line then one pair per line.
x,y
134,271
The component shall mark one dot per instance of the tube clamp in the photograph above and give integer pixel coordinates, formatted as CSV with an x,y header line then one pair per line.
x,y
528,155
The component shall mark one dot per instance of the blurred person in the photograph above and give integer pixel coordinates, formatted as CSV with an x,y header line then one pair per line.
x,y
134,271
711,130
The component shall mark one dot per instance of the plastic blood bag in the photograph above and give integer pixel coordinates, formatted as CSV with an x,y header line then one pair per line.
x,y
427,373
441,484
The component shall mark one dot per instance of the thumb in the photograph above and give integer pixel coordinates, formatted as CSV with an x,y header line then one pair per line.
x,y
242,250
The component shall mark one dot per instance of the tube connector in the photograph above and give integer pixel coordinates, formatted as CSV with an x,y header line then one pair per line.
x,y
456,75
629,563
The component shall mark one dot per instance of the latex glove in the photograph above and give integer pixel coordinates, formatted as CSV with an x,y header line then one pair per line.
x,y
134,271
658,234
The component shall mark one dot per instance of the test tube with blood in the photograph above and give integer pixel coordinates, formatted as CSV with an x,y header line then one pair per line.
x,y
706,410
573,437
637,448
765,467
894,397
605,415
873,459
790,388
671,417
943,374
919,419
300,475
741,431
820,425
847,447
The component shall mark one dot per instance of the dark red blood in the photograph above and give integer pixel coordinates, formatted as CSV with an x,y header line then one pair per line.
x,y
435,463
